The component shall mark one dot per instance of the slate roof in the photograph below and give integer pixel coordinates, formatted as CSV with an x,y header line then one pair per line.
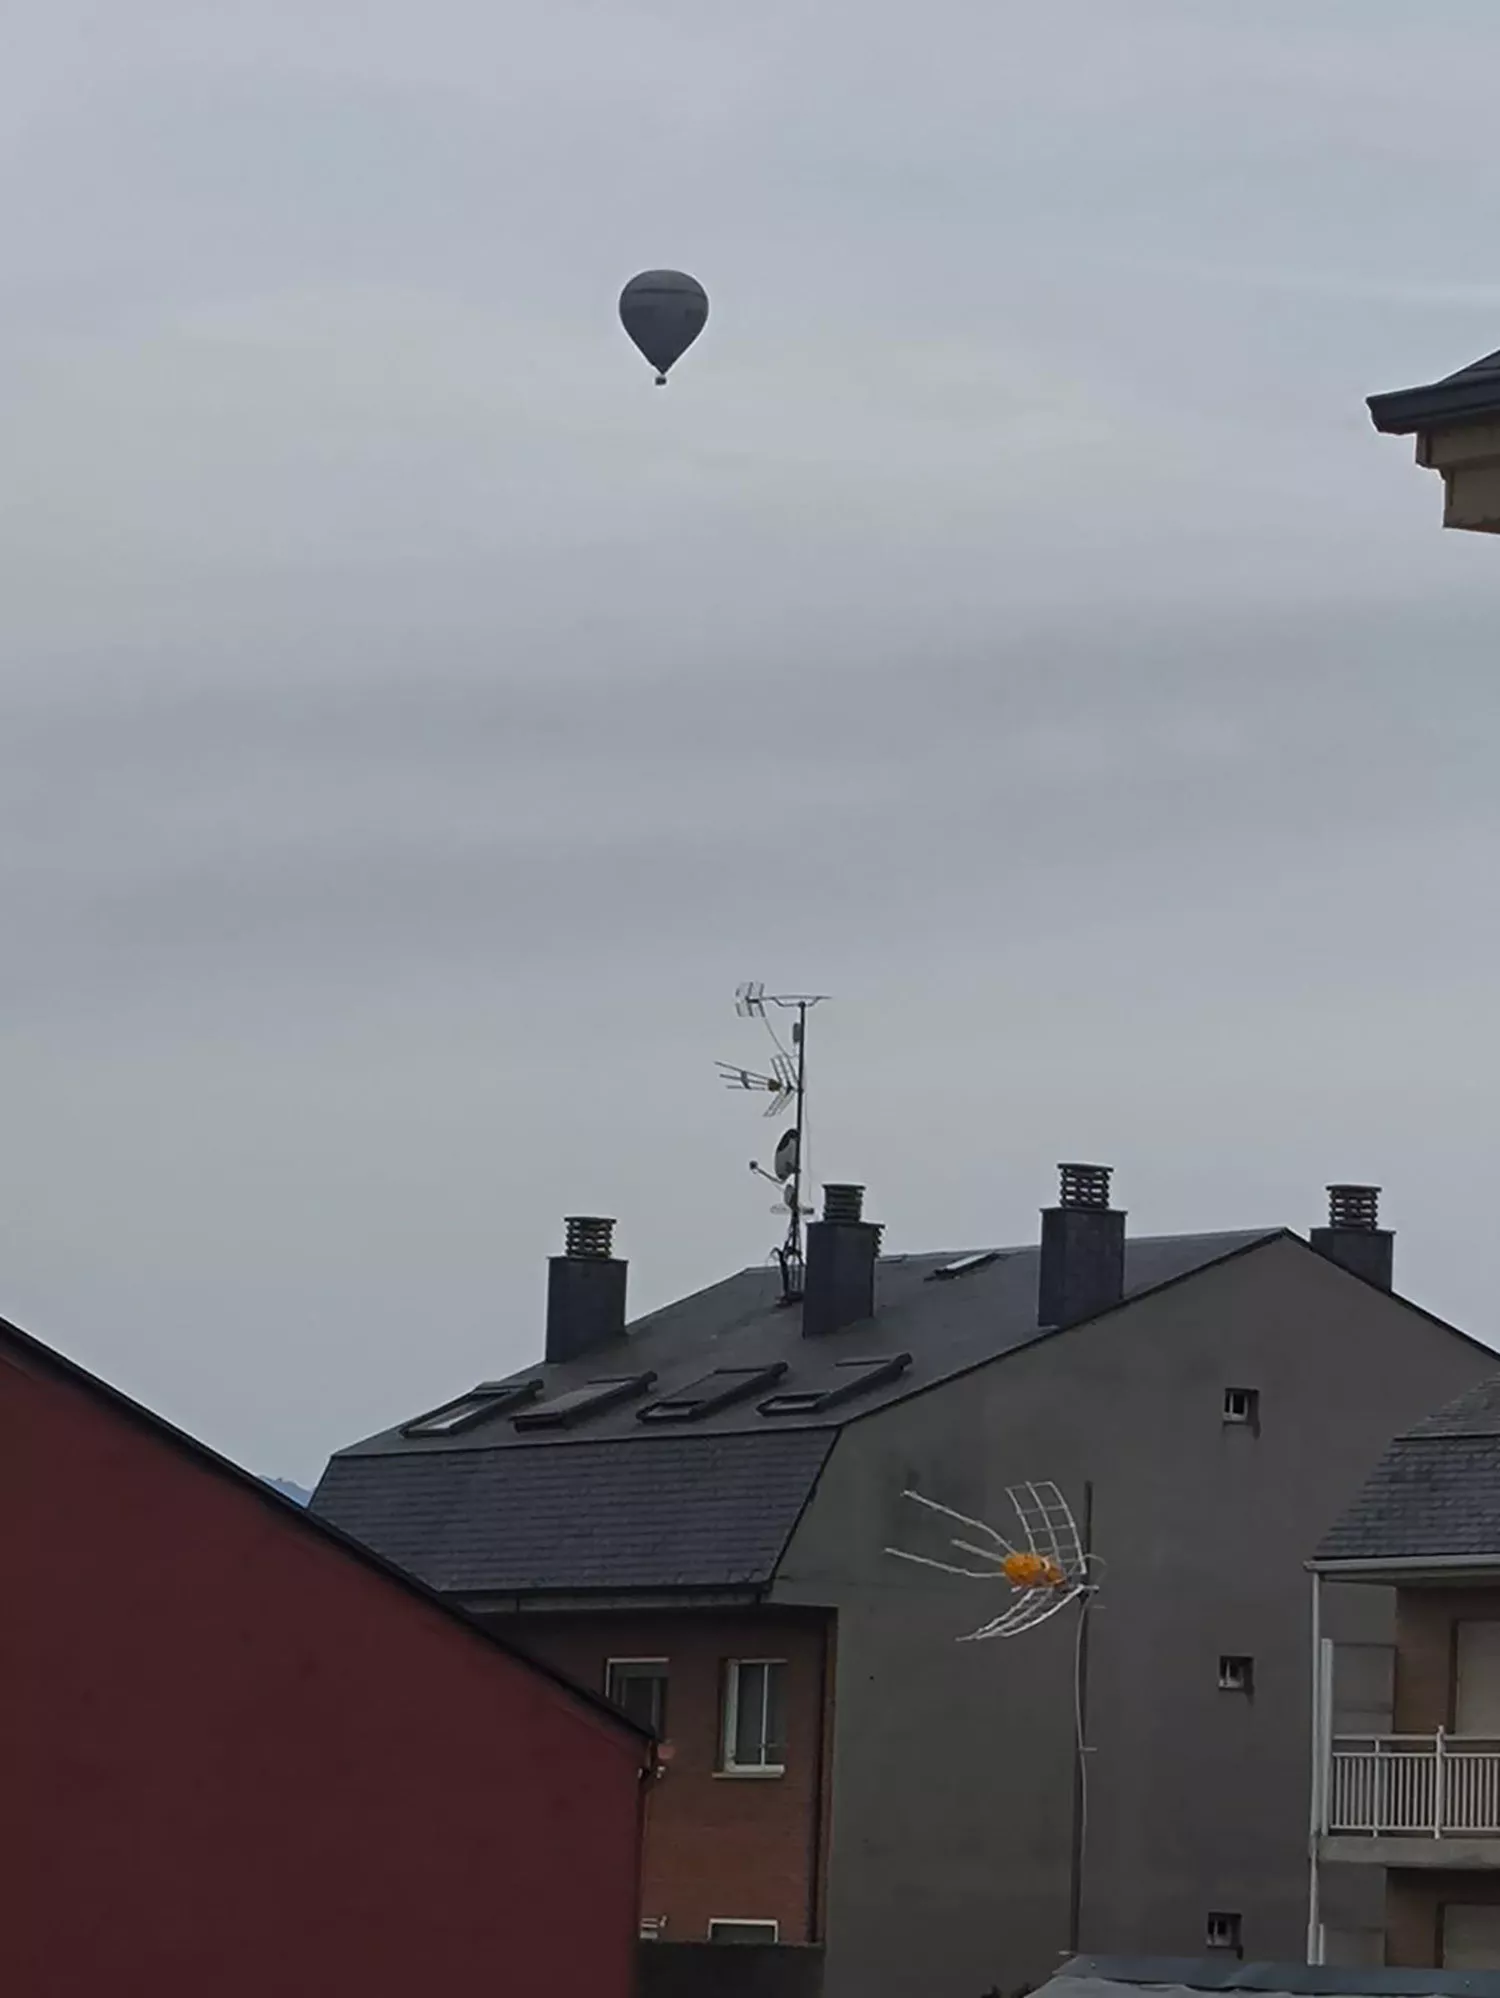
x,y
1435,1494
709,1512
1114,1977
1471,395
619,1504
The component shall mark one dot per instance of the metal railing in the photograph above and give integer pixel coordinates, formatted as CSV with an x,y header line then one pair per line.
x,y
1414,1785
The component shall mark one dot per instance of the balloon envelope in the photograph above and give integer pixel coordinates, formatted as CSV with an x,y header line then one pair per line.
x,y
663,312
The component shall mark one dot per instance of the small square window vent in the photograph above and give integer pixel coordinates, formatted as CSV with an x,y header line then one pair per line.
x,y
1242,1407
1236,1674
1223,1930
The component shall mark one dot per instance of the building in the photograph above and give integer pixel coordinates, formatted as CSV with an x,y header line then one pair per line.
x,y
1407,1734
1128,1977
1456,424
692,1513
243,1756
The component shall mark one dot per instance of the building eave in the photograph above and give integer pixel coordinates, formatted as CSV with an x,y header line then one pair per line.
x,y
1408,1567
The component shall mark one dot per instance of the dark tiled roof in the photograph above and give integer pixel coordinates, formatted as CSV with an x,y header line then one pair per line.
x,y
946,1327
1470,395
1436,1491
687,1512
623,1504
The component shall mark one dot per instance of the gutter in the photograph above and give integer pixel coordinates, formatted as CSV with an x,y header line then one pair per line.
x,y
1408,1564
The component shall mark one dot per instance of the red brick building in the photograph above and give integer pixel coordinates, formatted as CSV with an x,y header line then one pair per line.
x,y
244,1756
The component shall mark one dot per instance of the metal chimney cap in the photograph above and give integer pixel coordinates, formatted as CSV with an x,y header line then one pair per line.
x,y
589,1238
843,1203
1084,1185
1354,1209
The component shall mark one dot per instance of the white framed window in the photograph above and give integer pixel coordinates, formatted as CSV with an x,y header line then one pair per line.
x,y
638,1687
729,1929
754,1736
1242,1407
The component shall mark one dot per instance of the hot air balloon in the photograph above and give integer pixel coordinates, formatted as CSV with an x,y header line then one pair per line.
x,y
663,312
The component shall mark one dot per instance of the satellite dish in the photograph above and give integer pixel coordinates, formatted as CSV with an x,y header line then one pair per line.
x,y
784,1164
663,312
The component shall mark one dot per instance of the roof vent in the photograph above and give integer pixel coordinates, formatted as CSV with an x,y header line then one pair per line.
x,y
1081,1271
1084,1185
1354,1238
588,1238
843,1203
839,1287
585,1289
1354,1207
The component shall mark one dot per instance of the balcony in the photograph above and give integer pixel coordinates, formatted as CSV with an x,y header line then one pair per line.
x,y
1413,1800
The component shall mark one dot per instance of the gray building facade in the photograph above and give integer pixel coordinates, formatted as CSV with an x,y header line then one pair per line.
x,y
1216,1396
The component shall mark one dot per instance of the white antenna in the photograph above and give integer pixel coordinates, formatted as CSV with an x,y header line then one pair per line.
x,y
1046,1566
785,1082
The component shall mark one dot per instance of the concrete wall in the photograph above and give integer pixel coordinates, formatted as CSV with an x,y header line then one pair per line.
x,y
1426,1638
738,1848
949,1861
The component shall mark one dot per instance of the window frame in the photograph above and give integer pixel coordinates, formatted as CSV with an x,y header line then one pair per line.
x,y
659,1675
1231,1681
729,1718
1234,1419
743,1922
1232,1922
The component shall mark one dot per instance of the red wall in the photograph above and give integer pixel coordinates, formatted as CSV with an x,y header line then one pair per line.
x,y
239,1761
716,1845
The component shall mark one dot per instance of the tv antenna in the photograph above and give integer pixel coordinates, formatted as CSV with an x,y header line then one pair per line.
x,y
785,1082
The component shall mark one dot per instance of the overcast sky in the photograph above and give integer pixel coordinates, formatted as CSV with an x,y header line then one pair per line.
x,y
413,724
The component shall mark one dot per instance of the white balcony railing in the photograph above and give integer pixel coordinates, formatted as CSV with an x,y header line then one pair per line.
x,y
1414,1785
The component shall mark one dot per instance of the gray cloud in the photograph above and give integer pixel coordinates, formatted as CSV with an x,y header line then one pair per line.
x,y
412,725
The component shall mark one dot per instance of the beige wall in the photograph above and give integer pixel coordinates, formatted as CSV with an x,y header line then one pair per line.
x,y
1426,1621
1414,1912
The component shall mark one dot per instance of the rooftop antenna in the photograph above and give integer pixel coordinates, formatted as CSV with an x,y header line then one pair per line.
x,y
786,1084
1048,1561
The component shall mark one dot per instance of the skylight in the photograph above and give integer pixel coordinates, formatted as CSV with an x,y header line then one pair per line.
x,y
478,1405
581,1402
965,1265
719,1389
852,1377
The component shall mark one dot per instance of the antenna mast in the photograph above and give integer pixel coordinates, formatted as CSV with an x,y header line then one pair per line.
x,y
786,1083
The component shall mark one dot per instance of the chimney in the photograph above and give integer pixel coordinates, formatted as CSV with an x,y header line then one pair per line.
x,y
1354,1238
585,1290
838,1288
1083,1249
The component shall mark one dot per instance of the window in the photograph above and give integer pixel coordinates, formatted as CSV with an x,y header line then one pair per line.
x,y
1223,1930
719,1389
754,1717
590,1399
478,1405
1242,1406
638,1687
1236,1674
653,1927
720,1930
1476,1678
851,1377
964,1266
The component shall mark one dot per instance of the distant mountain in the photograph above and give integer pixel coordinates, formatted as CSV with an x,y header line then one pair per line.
x,y
288,1489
